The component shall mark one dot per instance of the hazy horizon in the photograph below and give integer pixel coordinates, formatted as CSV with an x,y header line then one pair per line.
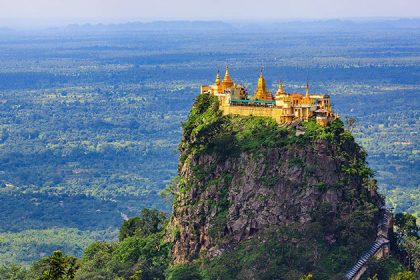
x,y
16,23
27,13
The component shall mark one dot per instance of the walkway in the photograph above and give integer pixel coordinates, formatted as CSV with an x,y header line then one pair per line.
x,y
360,266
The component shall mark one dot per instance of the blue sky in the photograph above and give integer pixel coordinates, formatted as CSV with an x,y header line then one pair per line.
x,y
228,10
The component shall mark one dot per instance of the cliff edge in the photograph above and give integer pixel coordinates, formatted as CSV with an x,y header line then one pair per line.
x,y
270,202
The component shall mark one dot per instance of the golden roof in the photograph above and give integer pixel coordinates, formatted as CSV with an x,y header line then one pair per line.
x,y
261,82
280,90
227,81
218,78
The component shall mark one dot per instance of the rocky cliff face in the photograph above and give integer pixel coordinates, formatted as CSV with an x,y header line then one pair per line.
x,y
240,176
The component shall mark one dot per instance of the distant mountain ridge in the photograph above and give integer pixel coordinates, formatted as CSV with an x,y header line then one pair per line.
x,y
257,25
157,25
227,25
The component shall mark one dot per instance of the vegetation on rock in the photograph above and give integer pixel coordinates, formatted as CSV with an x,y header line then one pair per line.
x,y
252,201
255,200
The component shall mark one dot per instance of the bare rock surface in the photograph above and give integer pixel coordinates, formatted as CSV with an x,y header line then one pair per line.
x,y
232,199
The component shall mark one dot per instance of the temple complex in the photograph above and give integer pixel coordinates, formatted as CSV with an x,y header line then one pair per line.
x,y
283,107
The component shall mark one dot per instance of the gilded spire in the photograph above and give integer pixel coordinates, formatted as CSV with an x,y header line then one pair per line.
x,y
280,89
261,91
227,81
227,77
261,82
307,89
218,78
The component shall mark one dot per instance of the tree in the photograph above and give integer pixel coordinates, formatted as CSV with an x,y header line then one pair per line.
x,y
141,253
406,225
150,221
408,275
55,267
169,192
408,240
350,123
411,246
13,272
383,268
129,228
184,271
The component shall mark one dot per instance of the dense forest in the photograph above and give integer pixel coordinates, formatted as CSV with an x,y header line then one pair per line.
x,y
90,117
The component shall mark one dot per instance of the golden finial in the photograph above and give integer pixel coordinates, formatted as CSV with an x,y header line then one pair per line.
x,y
218,78
307,88
261,73
261,82
227,82
280,90
227,77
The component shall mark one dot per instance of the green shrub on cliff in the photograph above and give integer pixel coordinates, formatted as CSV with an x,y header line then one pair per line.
x,y
202,124
184,272
206,130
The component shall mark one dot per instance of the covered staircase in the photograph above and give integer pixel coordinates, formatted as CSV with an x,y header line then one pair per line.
x,y
379,248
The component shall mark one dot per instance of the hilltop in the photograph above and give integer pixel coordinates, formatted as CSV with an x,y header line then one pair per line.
x,y
264,201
